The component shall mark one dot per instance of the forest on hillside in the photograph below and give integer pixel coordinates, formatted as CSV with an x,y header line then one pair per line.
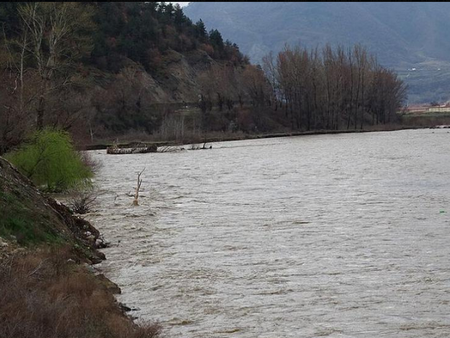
x,y
96,66
103,70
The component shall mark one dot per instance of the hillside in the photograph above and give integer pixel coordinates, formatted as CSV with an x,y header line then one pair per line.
x,y
402,35
145,71
170,49
102,69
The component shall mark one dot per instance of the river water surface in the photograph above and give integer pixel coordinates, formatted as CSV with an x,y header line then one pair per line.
x,y
342,235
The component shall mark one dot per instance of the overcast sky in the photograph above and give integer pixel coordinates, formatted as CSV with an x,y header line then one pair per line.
x,y
182,4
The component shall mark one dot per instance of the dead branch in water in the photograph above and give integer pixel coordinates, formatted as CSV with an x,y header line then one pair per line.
x,y
136,195
198,146
170,149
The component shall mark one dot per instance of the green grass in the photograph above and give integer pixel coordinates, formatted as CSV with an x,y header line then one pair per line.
x,y
7,198
427,115
27,227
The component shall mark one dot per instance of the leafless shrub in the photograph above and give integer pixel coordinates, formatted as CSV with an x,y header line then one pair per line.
x,y
82,201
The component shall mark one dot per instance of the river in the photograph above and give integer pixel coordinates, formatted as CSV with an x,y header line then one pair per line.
x,y
344,235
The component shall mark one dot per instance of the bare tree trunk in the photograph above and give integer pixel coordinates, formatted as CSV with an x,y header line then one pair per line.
x,y
40,113
138,186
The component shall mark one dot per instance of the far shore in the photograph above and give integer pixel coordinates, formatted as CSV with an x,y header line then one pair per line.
x,y
222,137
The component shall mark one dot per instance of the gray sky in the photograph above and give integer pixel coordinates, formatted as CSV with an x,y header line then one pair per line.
x,y
182,4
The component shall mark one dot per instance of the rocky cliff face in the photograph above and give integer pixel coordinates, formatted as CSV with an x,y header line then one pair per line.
x,y
175,81
182,72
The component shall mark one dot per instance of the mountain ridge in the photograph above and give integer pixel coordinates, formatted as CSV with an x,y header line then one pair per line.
x,y
402,35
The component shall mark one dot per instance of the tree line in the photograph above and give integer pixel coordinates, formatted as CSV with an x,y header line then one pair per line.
x,y
304,89
333,88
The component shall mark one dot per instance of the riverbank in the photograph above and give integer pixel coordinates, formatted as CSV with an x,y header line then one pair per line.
x,y
49,286
131,142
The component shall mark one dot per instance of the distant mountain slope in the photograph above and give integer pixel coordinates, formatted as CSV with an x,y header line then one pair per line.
x,y
404,35
116,66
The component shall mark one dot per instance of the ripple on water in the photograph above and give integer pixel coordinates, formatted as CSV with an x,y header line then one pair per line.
x,y
319,236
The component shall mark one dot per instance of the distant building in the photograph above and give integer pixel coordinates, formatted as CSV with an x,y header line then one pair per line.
x,y
417,109
440,109
424,109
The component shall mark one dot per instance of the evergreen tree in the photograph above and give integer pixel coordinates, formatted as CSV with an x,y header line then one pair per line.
x,y
179,17
216,39
201,32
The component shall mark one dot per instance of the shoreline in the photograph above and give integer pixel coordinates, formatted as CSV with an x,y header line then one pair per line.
x,y
241,137
53,255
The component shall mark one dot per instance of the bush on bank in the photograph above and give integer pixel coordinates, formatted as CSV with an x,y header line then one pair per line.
x,y
49,159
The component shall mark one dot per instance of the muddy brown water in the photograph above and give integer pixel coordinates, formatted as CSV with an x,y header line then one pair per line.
x,y
329,235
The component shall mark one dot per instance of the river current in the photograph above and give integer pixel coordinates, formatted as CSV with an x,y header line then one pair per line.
x,y
344,235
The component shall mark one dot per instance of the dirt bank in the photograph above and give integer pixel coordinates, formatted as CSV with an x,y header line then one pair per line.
x,y
48,284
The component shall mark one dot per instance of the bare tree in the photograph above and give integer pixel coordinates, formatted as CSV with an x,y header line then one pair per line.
x,y
270,70
53,35
322,90
256,85
138,187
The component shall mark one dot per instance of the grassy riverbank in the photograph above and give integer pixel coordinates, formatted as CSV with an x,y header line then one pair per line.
x,y
48,285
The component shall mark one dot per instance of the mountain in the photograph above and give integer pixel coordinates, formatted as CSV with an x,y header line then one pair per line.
x,y
410,37
103,67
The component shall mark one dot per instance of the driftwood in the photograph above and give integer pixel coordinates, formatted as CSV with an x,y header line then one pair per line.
x,y
139,150
198,146
170,149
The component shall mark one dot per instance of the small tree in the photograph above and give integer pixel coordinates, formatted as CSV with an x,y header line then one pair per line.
x,y
49,159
